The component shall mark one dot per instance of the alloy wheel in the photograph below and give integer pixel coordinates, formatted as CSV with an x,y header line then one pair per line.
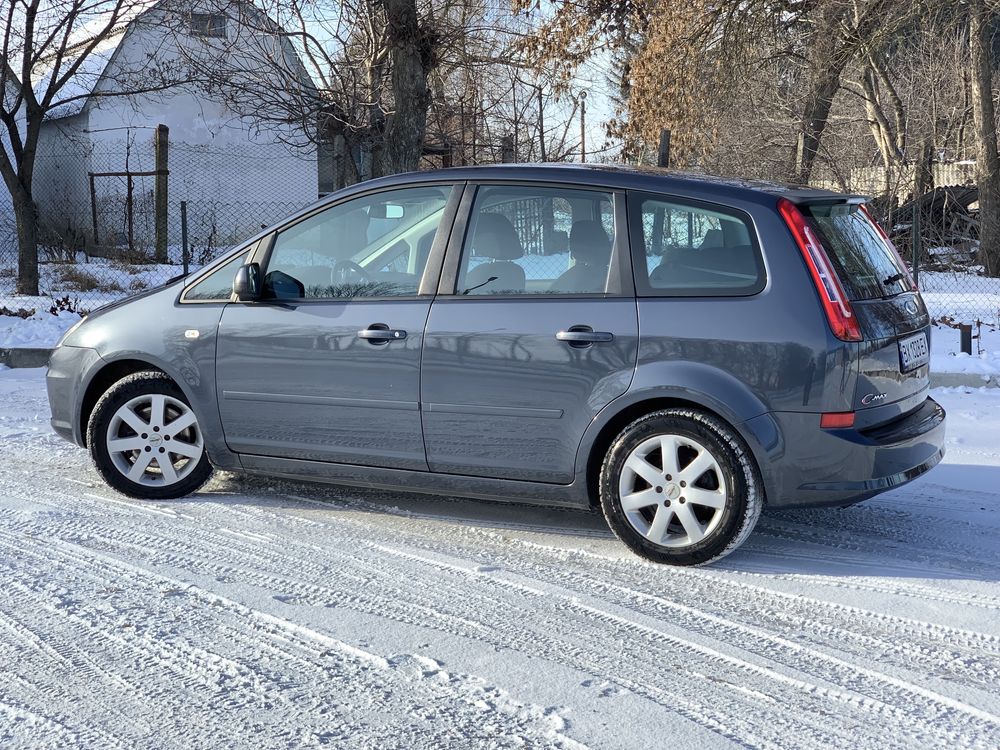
x,y
154,440
672,490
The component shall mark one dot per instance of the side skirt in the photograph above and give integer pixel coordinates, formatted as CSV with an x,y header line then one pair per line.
x,y
374,477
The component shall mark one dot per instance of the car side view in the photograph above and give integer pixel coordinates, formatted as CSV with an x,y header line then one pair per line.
x,y
677,349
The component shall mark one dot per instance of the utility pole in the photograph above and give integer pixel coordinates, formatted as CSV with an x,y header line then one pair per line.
x,y
541,124
583,127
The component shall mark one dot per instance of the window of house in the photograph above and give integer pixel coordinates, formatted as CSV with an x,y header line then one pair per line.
x,y
538,240
692,249
209,24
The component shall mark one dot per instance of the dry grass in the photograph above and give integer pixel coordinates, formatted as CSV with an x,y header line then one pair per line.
x,y
74,277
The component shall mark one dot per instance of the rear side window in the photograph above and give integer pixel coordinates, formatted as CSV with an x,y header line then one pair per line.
x,y
866,266
692,249
539,240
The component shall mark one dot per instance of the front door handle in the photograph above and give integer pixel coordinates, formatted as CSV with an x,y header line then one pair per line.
x,y
584,336
380,333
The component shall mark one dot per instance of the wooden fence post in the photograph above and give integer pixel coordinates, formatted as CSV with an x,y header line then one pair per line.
x,y
160,142
663,153
185,254
507,149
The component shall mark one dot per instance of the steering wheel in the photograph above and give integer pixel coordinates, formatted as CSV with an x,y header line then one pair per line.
x,y
347,271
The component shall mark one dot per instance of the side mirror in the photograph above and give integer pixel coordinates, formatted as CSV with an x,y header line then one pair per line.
x,y
246,285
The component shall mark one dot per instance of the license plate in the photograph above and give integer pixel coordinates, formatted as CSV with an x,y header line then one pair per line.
x,y
913,352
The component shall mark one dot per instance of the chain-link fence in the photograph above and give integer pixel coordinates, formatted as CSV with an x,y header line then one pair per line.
x,y
110,216
99,210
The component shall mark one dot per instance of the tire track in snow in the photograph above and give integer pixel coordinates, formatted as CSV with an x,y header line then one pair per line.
x,y
461,696
252,553
559,557
592,659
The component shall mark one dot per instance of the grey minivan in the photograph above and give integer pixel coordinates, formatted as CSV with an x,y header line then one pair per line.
x,y
678,349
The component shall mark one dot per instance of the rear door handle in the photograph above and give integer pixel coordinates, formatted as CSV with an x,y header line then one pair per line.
x,y
377,334
577,335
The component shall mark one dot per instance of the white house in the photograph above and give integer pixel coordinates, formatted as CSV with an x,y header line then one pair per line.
x,y
236,172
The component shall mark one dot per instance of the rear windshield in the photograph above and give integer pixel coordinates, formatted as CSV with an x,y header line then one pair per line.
x,y
867,267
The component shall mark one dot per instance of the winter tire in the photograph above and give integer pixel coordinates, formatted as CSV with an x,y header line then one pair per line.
x,y
679,486
146,440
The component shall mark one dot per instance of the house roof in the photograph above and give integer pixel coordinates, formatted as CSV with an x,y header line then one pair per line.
x,y
74,94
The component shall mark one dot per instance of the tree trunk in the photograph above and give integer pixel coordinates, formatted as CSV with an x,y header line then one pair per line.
x,y
27,243
411,50
987,159
813,123
831,50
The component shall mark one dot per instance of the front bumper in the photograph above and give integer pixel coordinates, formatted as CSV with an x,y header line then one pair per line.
x,y
810,466
65,383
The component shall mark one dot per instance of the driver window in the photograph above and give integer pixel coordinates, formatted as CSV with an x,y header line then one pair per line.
x,y
373,246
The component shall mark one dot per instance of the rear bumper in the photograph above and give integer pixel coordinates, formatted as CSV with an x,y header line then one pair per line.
x,y
64,382
809,466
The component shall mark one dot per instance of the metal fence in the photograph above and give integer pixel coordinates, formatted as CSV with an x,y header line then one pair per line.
x,y
110,217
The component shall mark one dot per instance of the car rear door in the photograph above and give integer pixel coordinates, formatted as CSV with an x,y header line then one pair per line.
x,y
533,332
327,366
894,355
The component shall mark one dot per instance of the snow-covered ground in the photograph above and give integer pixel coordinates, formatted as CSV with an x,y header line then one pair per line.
x,y
262,613
84,285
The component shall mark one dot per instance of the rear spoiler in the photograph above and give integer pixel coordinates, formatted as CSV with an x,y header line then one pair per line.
x,y
833,198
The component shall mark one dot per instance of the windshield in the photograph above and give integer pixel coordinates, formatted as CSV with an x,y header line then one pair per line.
x,y
867,267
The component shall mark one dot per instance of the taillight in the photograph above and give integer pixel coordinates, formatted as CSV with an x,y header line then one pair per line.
x,y
834,420
891,245
835,304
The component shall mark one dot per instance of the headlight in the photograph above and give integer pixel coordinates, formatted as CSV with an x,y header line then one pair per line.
x,y
69,333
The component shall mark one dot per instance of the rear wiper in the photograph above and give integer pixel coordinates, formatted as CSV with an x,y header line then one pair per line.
x,y
894,278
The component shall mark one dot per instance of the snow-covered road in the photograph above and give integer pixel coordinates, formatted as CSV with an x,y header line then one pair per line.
x,y
273,614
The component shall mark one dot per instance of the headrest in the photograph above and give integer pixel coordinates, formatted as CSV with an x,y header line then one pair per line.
x,y
496,238
589,243
355,233
713,238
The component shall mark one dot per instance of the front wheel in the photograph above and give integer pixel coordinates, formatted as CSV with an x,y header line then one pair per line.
x,y
145,439
680,486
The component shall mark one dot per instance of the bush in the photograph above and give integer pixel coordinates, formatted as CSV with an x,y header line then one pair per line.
x,y
65,304
23,312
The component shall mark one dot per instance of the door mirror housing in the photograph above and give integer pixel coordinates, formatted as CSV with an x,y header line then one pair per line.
x,y
246,285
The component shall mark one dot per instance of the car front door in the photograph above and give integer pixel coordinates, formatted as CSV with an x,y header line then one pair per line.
x,y
326,366
533,332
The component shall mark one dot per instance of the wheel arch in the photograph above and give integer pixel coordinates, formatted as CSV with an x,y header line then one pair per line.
x,y
636,404
109,373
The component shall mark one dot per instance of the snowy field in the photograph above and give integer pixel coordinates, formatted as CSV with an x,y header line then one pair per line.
x,y
272,614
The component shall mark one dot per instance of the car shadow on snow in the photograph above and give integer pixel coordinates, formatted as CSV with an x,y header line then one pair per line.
x,y
946,525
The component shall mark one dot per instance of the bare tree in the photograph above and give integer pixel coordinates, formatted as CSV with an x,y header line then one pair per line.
x,y
987,159
397,84
54,51
684,61
366,65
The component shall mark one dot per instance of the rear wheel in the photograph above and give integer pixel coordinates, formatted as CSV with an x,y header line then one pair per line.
x,y
679,486
145,439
